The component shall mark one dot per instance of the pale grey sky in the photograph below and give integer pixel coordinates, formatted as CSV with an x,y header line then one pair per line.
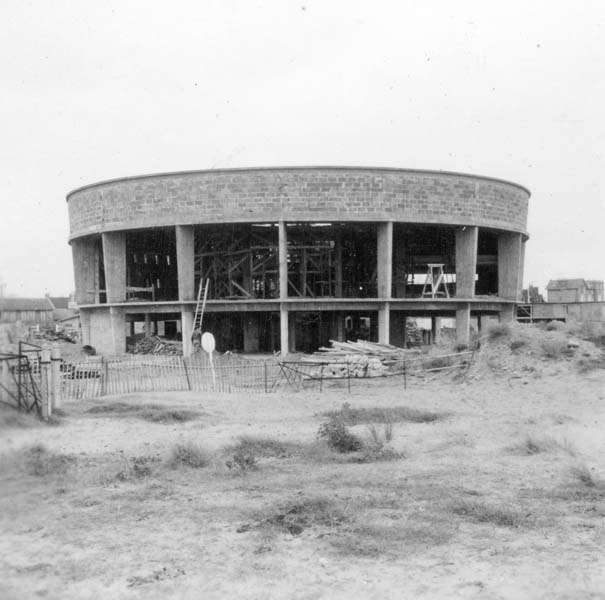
x,y
98,90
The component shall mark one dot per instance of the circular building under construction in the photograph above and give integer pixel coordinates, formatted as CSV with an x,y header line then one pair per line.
x,y
292,257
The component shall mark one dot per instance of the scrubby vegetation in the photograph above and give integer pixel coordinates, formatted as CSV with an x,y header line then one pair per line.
x,y
190,454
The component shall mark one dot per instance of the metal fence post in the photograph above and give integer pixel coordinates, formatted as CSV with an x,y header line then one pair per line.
x,y
55,359
45,383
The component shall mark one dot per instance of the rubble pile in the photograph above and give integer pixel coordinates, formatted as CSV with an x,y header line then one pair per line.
x,y
152,344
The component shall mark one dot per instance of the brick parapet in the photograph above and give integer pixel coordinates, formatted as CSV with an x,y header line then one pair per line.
x,y
297,194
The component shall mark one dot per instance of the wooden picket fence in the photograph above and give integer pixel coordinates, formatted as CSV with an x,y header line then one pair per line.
x,y
148,373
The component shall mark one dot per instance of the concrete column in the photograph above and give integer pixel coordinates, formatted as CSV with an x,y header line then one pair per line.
x,y
521,270
399,266
384,260
283,331
338,267
147,324
55,376
435,330
114,259
186,329
463,324
251,332
291,333
384,327
340,327
479,323
45,382
85,257
507,314
185,260
509,265
466,261
283,287
85,327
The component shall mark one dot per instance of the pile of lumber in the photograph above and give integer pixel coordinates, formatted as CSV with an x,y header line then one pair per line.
x,y
341,350
152,344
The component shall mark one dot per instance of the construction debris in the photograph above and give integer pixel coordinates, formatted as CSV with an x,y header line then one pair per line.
x,y
152,344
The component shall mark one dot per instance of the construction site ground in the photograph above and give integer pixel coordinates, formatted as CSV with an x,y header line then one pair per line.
x,y
493,487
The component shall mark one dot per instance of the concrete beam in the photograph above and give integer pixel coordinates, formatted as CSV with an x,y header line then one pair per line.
x,y
384,259
185,260
114,258
509,265
85,257
466,261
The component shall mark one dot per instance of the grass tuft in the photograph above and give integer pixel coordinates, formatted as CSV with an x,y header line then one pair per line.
x,y
10,417
190,454
533,445
396,414
478,512
582,474
154,413
264,447
338,436
497,331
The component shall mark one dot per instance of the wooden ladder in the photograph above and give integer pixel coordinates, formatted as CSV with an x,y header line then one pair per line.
x,y
435,279
202,295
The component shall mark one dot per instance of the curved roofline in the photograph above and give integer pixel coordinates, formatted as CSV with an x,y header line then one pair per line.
x,y
298,168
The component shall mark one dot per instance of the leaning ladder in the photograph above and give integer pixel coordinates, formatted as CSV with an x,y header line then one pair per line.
x,y
202,295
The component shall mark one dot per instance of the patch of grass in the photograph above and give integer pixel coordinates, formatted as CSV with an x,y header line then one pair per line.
x,y
190,454
264,447
377,453
379,539
581,473
555,349
338,436
42,462
478,512
396,414
555,326
518,344
168,415
588,364
137,467
497,331
298,514
242,461
533,445
10,417
437,362
121,407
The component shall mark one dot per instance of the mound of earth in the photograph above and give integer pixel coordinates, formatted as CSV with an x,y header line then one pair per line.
x,y
531,351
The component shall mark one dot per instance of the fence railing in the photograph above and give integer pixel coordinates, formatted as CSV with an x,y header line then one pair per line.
x,y
146,373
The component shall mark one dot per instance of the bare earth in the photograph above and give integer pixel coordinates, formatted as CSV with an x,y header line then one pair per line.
x,y
469,511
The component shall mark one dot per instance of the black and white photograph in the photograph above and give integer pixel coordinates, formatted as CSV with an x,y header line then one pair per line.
x,y
302,300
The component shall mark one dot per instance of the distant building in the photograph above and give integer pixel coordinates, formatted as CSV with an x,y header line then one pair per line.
x,y
575,290
29,311
63,308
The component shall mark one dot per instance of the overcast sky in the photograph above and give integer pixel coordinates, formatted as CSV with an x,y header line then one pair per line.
x,y
98,90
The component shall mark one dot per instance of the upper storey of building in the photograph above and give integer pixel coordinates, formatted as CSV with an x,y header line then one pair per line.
x,y
297,194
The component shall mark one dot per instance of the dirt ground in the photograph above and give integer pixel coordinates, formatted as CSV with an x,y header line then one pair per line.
x,y
498,493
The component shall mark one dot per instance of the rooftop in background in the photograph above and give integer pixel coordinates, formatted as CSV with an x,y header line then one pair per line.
x,y
59,301
15,304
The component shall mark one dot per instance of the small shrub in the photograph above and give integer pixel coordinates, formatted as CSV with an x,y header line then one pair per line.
x,y
532,445
555,326
497,331
377,453
191,455
242,461
338,437
461,347
164,415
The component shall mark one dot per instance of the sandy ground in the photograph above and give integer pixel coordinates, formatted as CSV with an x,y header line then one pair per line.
x,y
197,533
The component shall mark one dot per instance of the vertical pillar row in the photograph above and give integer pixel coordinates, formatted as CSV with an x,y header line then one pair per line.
x,y
283,287
384,276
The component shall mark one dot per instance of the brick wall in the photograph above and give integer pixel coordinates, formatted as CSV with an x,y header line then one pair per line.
x,y
305,194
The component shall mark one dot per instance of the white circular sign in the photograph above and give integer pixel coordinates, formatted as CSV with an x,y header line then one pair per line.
x,y
208,343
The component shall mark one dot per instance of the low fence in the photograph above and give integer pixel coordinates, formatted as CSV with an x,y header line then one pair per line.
x,y
300,373
98,376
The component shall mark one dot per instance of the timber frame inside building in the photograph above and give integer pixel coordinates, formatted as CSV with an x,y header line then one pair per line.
x,y
294,256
